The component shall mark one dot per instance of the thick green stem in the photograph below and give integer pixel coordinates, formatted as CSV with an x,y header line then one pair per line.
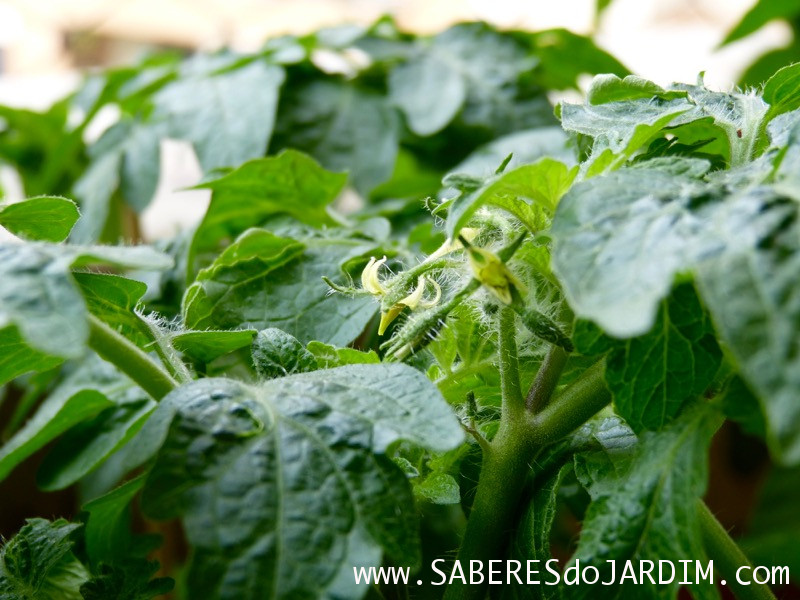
x,y
728,557
495,508
513,403
129,359
579,403
506,464
546,379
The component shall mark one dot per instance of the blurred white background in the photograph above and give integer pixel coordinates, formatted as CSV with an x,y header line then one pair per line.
x,y
46,44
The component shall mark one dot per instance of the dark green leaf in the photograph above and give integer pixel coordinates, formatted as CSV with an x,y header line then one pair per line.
x,y
38,563
654,375
343,126
92,388
304,451
650,512
277,354
133,581
107,533
47,218
89,443
782,91
762,13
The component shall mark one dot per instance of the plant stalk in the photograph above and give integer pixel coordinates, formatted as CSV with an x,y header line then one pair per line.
x,y
129,359
727,555
506,465
513,402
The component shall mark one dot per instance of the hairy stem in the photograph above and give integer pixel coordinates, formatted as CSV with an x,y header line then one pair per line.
x,y
513,403
506,464
129,359
546,379
728,557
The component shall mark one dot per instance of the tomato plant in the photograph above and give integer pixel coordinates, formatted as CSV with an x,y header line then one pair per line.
x,y
532,319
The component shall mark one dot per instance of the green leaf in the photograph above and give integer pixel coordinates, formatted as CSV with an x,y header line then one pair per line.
x,y
653,376
277,354
39,295
107,533
751,297
126,158
782,91
439,488
113,299
427,113
328,356
38,563
620,128
91,442
298,465
92,388
228,116
290,183
133,581
17,357
775,526
564,56
47,218
610,88
530,193
263,281
525,147
205,346
650,512
531,540
492,93
762,13
345,127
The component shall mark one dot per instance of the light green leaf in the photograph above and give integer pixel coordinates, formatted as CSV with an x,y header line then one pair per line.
x,y
113,299
439,488
205,346
277,354
782,91
38,563
290,183
228,116
46,218
17,357
307,451
330,356
654,375
610,88
530,193
650,512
